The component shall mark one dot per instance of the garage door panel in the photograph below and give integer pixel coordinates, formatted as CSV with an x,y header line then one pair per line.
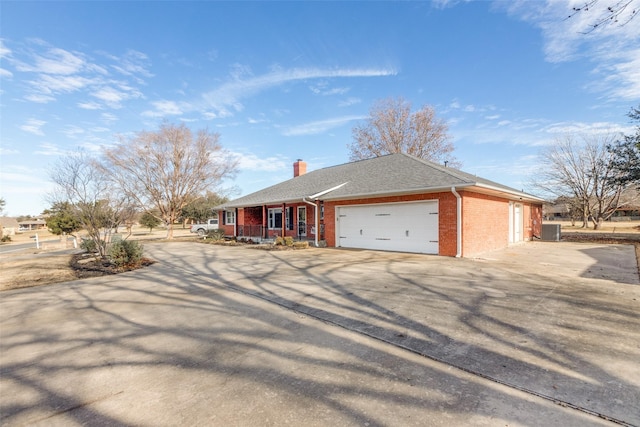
x,y
404,227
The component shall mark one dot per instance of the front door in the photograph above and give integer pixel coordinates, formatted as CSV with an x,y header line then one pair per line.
x,y
302,221
517,222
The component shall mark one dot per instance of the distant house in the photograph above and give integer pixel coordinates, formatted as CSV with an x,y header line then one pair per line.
x,y
9,226
32,224
394,203
628,212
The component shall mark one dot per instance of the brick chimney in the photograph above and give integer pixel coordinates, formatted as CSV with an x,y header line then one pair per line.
x,y
299,168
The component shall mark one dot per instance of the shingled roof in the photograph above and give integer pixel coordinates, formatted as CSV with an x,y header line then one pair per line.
x,y
385,175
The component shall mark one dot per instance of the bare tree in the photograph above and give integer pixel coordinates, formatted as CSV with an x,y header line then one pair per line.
x,y
583,168
619,12
163,170
91,197
393,128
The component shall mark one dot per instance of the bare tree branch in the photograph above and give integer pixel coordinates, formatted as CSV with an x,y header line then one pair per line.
x,y
620,12
80,182
393,128
584,169
163,170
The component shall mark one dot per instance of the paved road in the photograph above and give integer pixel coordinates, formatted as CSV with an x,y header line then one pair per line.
x,y
19,247
233,336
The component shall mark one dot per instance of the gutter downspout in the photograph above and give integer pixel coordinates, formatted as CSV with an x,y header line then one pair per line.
x,y
315,206
315,215
458,222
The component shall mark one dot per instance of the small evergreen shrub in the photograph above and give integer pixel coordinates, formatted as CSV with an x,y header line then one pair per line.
x,y
288,241
301,245
215,235
279,241
125,252
89,245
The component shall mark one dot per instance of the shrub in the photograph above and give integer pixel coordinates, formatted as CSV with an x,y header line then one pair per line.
x,y
89,245
215,235
288,241
279,241
5,239
125,252
301,245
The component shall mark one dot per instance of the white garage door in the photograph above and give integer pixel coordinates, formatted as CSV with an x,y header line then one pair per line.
x,y
402,227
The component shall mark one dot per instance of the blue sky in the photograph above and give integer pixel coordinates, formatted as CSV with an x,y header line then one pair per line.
x,y
286,80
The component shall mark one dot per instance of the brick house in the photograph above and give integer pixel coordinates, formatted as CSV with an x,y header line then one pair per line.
x,y
395,202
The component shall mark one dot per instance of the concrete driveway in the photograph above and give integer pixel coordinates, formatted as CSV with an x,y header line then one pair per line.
x,y
539,334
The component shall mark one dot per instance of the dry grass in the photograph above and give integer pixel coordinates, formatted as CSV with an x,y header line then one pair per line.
x,y
24,272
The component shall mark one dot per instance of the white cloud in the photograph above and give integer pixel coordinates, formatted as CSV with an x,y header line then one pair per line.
x,y
229,95
133,64
322,88
89,105
251,162
48,84
54,71
49,149
6,74
612,48
113,97
6,151
166,108
22,176
34,126
53,61
4,50
596,128
321,126
349,101
108,118
72,131
39,98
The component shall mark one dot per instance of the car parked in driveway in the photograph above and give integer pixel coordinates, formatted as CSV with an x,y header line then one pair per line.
x,y
203,229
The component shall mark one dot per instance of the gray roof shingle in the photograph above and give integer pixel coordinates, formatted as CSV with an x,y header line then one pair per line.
x,y
384,175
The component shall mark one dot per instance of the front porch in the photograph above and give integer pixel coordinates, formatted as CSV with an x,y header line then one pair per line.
x,y
265,223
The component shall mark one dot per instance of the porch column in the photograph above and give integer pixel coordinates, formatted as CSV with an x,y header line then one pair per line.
x,y
264,222
284,220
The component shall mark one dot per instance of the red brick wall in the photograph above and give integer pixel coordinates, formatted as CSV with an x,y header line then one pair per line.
x,y
485,223
251,216
447,217
532,220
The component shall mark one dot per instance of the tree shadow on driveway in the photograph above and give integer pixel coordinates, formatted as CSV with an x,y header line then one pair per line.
x,y
181,343
574,341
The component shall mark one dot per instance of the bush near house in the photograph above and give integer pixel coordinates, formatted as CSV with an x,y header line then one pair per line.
x,y
125,253
215,235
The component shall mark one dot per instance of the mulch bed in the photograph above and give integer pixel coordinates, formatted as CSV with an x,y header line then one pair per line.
x,y
88,265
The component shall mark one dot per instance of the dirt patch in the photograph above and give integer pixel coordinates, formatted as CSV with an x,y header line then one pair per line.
x,y
45,269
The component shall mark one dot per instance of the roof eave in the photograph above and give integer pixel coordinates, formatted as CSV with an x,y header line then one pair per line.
x,y
513,193
437,189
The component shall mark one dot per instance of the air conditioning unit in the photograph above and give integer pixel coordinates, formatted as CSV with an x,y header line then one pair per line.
x,y
551,232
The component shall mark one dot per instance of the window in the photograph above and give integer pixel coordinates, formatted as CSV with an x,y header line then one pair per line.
x,y
302,220
289,218
322,211
274,218
231,217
